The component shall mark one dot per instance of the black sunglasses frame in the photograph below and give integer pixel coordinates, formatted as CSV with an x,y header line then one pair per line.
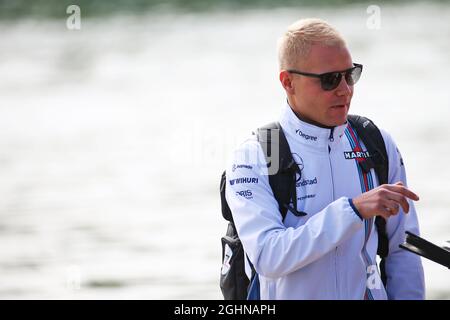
x,y
323,76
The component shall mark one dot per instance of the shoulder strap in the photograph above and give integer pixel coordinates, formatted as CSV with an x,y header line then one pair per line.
x,y
379,160
283,179
226,211
373,140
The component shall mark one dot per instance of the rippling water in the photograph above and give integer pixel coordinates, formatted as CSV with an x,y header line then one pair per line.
x,y
113,139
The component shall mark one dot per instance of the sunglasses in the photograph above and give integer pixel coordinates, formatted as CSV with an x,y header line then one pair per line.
x,y
331,80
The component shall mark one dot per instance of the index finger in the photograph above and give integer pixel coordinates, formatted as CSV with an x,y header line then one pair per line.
x,y
403,190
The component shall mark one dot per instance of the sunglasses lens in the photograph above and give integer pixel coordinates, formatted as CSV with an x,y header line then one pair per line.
x,y
331,80
353,75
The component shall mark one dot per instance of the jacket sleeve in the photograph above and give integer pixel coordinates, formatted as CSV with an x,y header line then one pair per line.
x,y
274,249
405,276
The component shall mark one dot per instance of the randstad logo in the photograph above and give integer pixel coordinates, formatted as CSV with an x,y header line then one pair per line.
x,y
305,136
356,154
243,180
247,194
306,182
238,166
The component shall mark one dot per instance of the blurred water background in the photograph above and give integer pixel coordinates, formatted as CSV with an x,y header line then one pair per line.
x,y
113,137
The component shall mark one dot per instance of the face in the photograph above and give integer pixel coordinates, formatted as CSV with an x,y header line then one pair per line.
x,y
305,94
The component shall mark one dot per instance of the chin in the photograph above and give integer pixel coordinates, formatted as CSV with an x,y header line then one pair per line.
x,y
338,119
336,122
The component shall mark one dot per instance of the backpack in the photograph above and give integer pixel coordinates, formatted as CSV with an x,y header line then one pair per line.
x,y
234,282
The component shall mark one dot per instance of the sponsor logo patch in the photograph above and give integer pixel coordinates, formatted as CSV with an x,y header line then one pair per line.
x,y
243,180
356,155
306,182
239,166
305,136
308,196
299,161
247,194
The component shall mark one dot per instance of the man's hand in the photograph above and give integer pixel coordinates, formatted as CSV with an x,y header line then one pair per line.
x,y
384,200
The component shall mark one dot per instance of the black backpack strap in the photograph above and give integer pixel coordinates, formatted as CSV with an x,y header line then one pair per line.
x,y
378,159
283,181
373,140
226,211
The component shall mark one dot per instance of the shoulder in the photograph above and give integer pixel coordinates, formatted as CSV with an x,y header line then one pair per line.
x,y
387,137
391,145
248,155
389,142
395,157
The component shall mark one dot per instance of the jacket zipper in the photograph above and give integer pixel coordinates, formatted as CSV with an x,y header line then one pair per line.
x,y
331,139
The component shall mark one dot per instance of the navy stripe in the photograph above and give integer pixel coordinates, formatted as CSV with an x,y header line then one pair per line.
x,y
354,208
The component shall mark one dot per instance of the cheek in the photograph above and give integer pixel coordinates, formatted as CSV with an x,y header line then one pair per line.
x,y
314,93
327,98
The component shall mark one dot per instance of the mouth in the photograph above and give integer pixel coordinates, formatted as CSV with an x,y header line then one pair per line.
x,y
339,106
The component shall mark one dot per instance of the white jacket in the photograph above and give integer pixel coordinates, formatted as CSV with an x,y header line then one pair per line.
x,y
331,252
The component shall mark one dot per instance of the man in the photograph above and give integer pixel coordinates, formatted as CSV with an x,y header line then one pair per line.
x,y
329,253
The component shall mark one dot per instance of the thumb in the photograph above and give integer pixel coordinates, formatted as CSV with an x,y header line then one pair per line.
x,y
399,183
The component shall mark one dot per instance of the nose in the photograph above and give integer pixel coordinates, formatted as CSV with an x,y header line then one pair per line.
x,y
343,89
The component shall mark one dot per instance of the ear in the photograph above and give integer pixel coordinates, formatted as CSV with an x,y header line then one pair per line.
x,y
286,81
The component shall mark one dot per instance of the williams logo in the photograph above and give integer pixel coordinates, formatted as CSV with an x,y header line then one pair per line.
x,y
247,194
238,166
243,180
305,136
356,155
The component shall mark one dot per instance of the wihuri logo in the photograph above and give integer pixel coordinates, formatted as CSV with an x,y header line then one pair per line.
x,y
243,180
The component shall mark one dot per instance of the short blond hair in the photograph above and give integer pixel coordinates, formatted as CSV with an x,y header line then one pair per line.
x,y
296,43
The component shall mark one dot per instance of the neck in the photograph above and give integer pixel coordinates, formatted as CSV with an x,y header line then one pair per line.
x,y
310,121
307,120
